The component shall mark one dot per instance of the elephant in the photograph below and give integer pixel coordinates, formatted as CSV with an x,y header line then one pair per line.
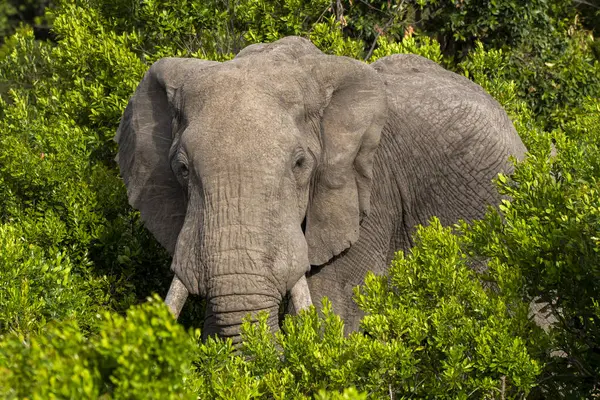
x,y
289,172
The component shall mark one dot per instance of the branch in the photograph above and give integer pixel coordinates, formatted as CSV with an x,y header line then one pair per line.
x,y
387,25
587,3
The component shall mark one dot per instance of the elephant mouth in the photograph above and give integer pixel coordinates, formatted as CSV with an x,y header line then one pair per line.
x,y
225,313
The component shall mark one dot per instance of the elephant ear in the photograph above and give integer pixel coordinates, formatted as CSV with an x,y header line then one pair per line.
x,y
352,115
145,137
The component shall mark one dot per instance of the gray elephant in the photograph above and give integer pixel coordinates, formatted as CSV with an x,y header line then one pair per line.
x,y
288,171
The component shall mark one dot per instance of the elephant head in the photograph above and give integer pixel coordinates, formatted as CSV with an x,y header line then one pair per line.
x,y
251,170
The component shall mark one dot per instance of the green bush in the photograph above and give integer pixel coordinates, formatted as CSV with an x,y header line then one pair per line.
x,y
31,12
145,355
217,30
430,330
554,81
550,233
41,285
463,340
55,189
411,44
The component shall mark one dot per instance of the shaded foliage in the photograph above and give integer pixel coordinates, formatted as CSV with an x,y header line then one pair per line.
x,y
14,13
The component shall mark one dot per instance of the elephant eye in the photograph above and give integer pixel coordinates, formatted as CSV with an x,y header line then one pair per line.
x,y
300,162
299,159
179,164
185,172
302,167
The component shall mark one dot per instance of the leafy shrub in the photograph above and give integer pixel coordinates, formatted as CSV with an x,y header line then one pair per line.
x,y
15,12
496,23
58,184
463,340
145,355
50,365
411,44
42,285
553,81
217,30
549,232
430,330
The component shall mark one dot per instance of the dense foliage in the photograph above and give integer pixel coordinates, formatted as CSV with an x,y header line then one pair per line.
x,y
13,13
76,264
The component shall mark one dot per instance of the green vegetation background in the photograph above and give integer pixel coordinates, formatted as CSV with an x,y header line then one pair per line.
x,y
77,266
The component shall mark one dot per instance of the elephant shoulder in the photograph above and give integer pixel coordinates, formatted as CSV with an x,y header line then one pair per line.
x,y
417,87
433,108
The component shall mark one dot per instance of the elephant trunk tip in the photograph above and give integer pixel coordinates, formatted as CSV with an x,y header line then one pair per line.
x,y
225,315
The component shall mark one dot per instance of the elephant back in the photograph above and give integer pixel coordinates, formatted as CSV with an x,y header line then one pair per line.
x,y
446,139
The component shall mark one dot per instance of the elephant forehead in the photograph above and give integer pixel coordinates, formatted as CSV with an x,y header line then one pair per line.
x,y
240,132
248,112
250,104
236,81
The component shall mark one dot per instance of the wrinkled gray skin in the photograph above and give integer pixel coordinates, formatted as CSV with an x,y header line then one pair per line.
x,y
286,162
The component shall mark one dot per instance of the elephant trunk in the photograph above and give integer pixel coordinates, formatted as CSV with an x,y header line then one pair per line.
x,y
228,303
239,251
226,324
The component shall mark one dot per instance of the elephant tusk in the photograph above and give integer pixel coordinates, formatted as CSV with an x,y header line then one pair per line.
x,y
300,295
176,297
